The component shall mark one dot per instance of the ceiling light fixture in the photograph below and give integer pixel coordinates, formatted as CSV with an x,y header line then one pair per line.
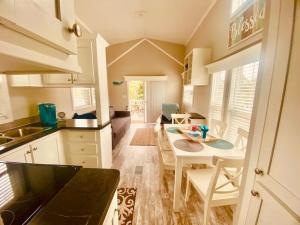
x,y
140,13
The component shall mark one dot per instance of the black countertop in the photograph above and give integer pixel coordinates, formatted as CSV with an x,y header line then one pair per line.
x,y
55,195
73,124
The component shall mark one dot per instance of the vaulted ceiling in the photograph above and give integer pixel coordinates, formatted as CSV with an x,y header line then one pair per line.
x,y
123,20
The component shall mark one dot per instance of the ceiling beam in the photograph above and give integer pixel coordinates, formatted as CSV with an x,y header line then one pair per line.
x,y
137,44
201,21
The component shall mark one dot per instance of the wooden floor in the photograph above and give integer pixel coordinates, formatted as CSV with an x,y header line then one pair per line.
x,y
139,168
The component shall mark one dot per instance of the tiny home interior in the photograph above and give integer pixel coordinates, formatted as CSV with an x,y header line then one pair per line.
x,y
149,112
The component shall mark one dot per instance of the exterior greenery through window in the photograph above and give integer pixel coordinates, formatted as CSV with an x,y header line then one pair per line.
x,y
232,97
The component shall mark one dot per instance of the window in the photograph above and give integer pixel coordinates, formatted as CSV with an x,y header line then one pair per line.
x,y
217,96
237,4
235,108
83,97
5,110
242,91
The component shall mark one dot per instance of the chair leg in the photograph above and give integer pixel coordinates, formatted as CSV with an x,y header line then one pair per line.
x,y
188,189
206,214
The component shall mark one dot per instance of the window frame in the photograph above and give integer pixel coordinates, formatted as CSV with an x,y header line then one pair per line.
x,y
91,102
8,103
225,113
240,8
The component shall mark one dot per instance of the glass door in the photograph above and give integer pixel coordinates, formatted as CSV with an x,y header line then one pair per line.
x,y
137,103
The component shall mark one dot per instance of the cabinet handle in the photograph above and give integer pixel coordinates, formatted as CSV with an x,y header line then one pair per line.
x,y
74,80
81,136
82,149
83,162
254,193
34,149
75,29
69,79
28,152
259,171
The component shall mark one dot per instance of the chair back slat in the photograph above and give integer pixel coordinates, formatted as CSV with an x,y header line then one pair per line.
x,y
218,127
232,170
241,139
180,118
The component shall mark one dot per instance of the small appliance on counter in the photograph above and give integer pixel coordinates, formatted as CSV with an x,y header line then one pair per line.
x,y
47,114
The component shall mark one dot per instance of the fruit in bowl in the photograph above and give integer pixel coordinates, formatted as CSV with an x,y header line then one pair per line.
x,y
194,128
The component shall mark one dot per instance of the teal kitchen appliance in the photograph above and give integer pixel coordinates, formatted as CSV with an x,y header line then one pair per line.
x,y
47,114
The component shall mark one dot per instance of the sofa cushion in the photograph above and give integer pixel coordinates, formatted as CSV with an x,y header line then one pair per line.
x,y
119,122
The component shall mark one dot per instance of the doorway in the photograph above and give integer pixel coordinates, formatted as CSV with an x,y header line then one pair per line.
x,y
137,100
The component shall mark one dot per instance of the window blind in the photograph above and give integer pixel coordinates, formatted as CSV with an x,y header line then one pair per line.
x,y
242,92
217,95
93,96
81,97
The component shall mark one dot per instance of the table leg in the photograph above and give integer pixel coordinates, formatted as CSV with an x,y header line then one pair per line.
x,y
177,185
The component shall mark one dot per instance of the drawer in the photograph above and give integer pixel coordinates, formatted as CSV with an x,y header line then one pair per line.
x,y
84,136
83,149
85,161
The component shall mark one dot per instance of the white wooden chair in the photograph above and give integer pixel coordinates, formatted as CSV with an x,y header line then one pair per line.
x,y
241,139
165,154
218,127
180,118
217,186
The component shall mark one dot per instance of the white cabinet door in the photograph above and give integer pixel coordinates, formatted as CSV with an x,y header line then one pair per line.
x,y
58,79
85,60
45,150
276,187
18,80
35,80
21,154
32,80
32,19
112,216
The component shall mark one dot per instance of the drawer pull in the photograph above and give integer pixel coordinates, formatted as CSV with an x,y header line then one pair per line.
x,y
82,149
34,149
81,136
75,29
83,162
259,171
28,152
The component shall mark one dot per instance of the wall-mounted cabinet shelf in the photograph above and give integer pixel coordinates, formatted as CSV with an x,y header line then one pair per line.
x,y
195,72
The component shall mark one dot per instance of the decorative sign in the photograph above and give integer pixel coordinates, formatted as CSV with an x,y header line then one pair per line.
x,y
248,22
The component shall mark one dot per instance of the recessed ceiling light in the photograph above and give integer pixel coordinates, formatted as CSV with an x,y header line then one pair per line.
x,y
140,13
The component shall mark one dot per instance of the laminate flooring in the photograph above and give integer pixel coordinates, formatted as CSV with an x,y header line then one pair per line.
x,y
139,167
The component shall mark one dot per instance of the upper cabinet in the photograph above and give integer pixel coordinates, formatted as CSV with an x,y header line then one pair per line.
x,y
195,72
38,35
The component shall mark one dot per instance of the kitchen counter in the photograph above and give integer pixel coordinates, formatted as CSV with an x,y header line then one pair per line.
x,y
74,124
56,195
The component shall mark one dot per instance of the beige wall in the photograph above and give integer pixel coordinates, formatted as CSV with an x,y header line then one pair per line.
x,y
24,100
213,33
144,60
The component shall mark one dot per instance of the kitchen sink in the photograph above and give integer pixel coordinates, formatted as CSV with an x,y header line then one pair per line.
x,y
4,140
24,131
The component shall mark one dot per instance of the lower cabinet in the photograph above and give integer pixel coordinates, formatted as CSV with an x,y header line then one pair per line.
x,y
112,216
43,151
90,149
21,154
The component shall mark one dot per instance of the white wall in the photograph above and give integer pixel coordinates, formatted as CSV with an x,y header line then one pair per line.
x,y
25,100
